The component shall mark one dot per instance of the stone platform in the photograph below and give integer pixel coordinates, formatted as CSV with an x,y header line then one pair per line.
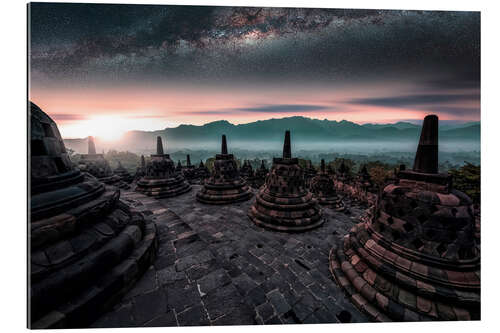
x,y
216,267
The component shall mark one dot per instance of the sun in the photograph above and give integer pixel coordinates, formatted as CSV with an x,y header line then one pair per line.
x,y
111,127
106,127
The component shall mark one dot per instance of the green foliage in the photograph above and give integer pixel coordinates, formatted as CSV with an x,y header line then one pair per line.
x,y
129,161
350,164
210,163
379,171
467,179
302,163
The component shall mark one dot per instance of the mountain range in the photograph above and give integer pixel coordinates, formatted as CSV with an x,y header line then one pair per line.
x,y
304,130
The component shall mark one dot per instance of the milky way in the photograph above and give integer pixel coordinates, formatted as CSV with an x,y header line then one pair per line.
x,y
224,43
255,48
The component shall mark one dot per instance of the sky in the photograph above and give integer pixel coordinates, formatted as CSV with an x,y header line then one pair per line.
x,y
102,70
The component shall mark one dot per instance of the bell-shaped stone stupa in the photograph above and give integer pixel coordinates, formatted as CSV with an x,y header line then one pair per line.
x,y
161,179
141,170
123,173
202,173
189,171
324,190
284,203
98,166
417,258
260,175
87,247
225,184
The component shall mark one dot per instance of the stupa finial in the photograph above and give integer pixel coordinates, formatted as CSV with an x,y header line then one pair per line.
x,y
224,145
159,146
287,148
91,146
364,170
426,159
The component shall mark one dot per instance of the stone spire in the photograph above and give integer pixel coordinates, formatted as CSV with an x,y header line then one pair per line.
x,y
287,148
98,166
223,150
91,146
225,185
284,203
421,233
426,159
323,188
343,168
162,179
188,160
159,146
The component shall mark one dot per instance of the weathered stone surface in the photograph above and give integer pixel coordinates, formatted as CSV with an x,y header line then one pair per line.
x,y
98,166
161,179
88,247
225,184
284,203
411,260
242,266
323,188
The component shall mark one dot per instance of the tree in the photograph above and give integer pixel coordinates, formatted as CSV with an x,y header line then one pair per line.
x,y
210,163
350,164
467,179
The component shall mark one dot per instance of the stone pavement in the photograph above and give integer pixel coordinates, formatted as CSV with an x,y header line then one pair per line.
x,y
216,267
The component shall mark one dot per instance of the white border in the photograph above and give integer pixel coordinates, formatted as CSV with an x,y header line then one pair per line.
x,y
13,166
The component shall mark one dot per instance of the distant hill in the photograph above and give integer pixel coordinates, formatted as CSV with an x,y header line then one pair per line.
x,y
304,131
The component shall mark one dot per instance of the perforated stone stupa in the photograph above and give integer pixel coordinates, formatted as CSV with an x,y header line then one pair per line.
x,y
123,173
260,175
161,179
202,173
246,170
324,190
141,170
225,184
284,203
365,180
87,247
309,172
98,166
417,258
189,171
249,175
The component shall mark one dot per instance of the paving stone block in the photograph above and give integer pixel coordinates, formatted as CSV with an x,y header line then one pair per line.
x,y
213,280
244,283
193,316
278,301
165,320
222,301
169,275
149,305
265,311
181,295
